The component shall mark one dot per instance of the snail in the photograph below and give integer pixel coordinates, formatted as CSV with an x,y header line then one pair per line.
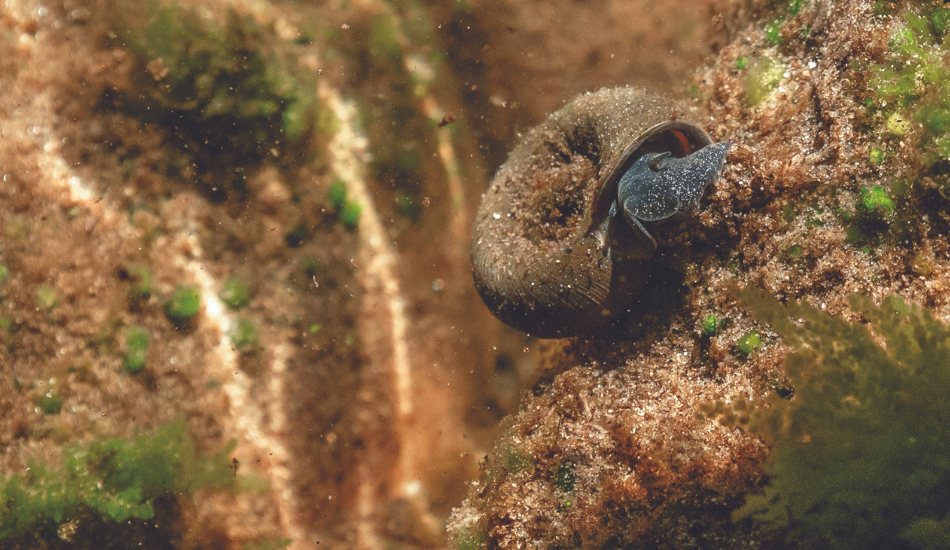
x,y
560,246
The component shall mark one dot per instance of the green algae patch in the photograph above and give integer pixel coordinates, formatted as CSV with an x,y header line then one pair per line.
x,y
243,334
117,479
46,298
874,201
876,157
764,75
48,403
350,214
913,84
235,293
136,349
859,454
750,342
711,324
226,94
184,303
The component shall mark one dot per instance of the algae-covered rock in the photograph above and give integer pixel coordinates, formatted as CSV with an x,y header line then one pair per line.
x,y
834,187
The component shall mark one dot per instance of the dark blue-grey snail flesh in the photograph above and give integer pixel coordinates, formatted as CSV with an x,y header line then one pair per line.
x,y
657,186
559,246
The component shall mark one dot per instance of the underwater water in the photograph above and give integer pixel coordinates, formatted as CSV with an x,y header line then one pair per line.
x,y
237,306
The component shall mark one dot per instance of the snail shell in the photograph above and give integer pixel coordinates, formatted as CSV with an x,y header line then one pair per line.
x,y
553,252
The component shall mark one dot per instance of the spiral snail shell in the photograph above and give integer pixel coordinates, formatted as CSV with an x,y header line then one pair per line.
x,y
559,246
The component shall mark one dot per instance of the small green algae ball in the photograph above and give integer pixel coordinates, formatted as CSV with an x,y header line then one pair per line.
x,y
741,63
243,334
136,349
875,199
46,298
350,215
876,156
750,342
897,125
235,294
183,304
711,324
337,194
49,403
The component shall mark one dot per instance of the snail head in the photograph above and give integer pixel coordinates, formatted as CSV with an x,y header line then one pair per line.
x,y
658,186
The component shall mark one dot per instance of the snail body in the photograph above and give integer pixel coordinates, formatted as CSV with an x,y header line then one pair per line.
x,y
559,247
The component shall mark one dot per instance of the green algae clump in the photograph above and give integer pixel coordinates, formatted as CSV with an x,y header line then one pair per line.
x,y
860,454
49,403
118,479
136,349
749,342
243,334
235,293
875,200
221,93
184,303
913,83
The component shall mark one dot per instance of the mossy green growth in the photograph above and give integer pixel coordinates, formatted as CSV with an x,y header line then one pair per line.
x,y
940,20
136,349
184,303
773,32
913,84
749,342
49,402
235,293
117,478
860,454
741,63
224,95
46,298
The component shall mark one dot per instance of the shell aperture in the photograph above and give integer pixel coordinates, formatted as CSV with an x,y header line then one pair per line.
x,y
657,187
